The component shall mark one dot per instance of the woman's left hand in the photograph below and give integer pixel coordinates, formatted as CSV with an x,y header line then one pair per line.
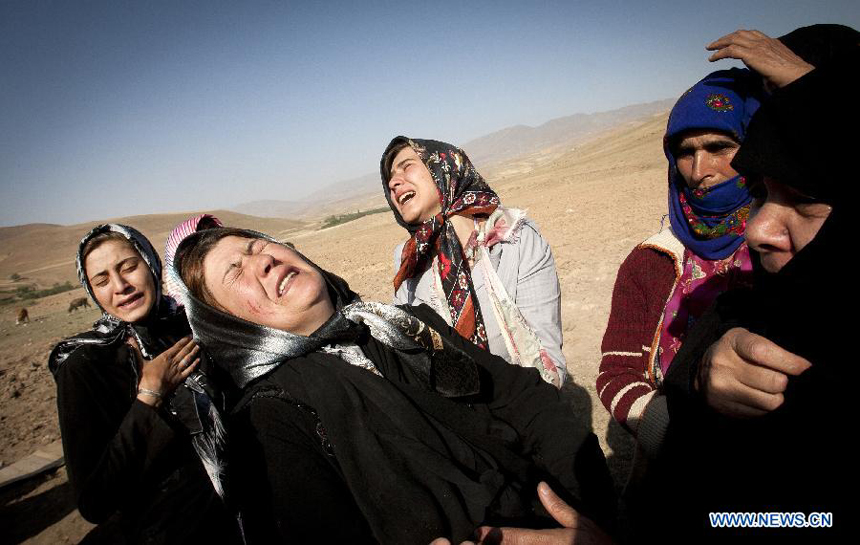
x,y
775,62
577,530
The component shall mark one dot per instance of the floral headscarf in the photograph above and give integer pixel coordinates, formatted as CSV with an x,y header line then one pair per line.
x,y
711,222
461,191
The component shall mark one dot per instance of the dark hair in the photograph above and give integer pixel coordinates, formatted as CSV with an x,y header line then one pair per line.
x,y
193,251
100,239
389,157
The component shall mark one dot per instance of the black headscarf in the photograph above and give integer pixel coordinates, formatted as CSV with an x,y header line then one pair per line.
x,y
797,457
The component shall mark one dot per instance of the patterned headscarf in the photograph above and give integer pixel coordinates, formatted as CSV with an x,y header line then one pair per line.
x,y
191,225
462,191
711,222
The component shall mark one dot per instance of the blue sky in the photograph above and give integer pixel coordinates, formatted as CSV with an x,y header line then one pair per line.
x,y
112,108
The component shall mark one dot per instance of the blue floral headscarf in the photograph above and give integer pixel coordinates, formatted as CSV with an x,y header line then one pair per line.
x,y
711,222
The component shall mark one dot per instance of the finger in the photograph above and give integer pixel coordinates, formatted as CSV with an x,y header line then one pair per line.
x,y
556,507
440,541
764,352
762,379
186,371
757,400
189,349
177,346
737,37
733,51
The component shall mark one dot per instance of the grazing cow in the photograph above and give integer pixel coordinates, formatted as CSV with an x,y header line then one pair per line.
x,y
78,303
23,316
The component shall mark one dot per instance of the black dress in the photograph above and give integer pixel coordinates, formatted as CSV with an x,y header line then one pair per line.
x,y
123,455
327,451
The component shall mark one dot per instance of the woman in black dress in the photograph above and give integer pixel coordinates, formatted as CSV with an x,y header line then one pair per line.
x,y
139,435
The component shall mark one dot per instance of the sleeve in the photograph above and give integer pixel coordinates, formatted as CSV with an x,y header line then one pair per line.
x,y
623,385
539,294
289,489
109,446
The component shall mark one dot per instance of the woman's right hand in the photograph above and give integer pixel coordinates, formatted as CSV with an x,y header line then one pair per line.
x,y
744,375
166,371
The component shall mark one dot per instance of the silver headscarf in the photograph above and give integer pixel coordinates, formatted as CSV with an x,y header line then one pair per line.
x,y
249,351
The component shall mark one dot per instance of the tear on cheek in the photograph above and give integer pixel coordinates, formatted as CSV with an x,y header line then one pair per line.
x,y
254,308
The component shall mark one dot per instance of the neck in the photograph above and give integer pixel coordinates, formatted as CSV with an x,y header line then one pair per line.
x,y
463,227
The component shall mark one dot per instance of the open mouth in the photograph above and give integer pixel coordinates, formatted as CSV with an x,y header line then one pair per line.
x,y
406,197
284,284
131,300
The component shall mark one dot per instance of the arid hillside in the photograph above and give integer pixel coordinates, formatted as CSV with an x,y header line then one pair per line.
x,y
43,253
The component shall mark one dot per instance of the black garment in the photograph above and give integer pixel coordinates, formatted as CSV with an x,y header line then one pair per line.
x,y
123,455
799,457
347,455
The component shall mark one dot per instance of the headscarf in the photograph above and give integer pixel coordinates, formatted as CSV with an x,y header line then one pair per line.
x,y
249,351
710,222
462,191
191,225
164,325
109,329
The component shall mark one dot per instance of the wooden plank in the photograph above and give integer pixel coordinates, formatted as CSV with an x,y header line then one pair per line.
x,y
46,458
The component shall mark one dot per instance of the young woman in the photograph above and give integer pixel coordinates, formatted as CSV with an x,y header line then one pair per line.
x,y
136,440
483,268
393,428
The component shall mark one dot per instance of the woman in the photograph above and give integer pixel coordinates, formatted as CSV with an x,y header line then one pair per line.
x,y
670,279
482,267
393,428
769,429
129,430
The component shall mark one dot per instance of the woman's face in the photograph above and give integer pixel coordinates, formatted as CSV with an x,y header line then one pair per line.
x,y
704,158
782,221
121,281
412,189
268,284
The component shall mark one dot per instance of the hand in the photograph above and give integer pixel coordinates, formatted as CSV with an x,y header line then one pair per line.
x,y
744,375
775,62
577,530
166,371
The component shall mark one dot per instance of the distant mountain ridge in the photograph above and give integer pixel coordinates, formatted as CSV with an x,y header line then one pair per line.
x,y
553,137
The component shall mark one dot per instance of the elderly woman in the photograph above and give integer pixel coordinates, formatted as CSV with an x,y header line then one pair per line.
x,y
760,398
483,268
130,431
365,422
671,278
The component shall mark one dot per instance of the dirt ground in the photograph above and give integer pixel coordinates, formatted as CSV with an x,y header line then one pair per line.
x,y
592,204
